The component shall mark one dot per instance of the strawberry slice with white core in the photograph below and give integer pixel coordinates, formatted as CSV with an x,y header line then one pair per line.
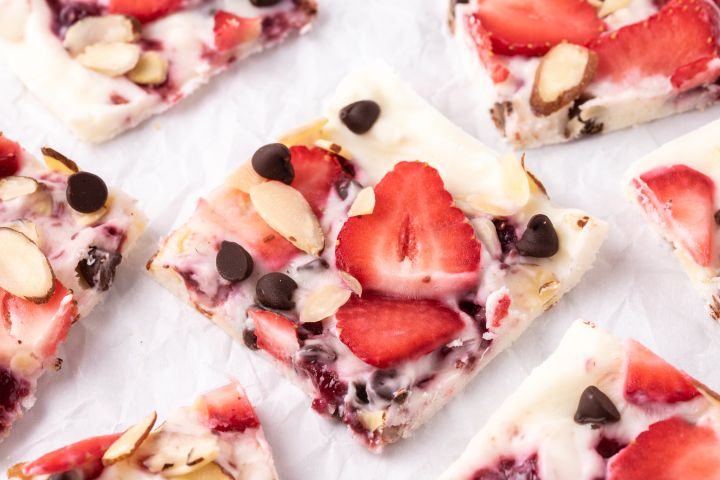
x,y
671,449
276,334
531,27
316,173
682,201
232,31
415,243
650,379
385,331
677,41
73,456
227,409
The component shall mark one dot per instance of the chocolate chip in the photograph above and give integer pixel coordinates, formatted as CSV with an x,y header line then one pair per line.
x,y
86,192
233,262
539,239
360,116
98,268
250,339
595,408
275,290
265,3
386,383
273,162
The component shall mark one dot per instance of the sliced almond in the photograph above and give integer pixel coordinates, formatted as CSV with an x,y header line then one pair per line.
x,y
14,187
58,162
211,471
323,303
100,29
151,69
352,282
333,147
24,268
129,441
487,234
371,420
561,77
244,178
174,454
288,213
608,7
364,203
111,59
27,228
89,219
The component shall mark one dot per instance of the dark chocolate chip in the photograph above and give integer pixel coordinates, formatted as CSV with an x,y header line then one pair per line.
x,y
717,217
361,393
233,262
98,268
315,265
273,162
250,339
86,192
360,116
265,3
539,239
595,408
275,290
69,475
386,383
316,354
310,329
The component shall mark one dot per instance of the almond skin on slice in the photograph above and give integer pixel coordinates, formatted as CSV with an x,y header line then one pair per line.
x,y
288,213
58,162
27,228
151,69
100,29
323,303
352,282
111,59
13,187
129,441
561,76
364,203
24,268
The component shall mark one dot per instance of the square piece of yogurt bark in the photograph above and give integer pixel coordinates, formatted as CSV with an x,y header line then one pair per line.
x,y
557,70
676,186
104,66
218,438
63,234
380,256
599,408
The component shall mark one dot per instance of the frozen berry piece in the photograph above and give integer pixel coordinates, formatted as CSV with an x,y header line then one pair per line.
x,y
97,269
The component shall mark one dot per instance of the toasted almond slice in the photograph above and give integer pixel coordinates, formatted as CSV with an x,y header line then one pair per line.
x,y
151,69
173,454
58,162
352,282
364,203
111,59
608,7
13,187
211,471
561,77
244,178
129,441
24,268
100,29
288,213
88,219
323,303
27,228
332,147
371,420
306,135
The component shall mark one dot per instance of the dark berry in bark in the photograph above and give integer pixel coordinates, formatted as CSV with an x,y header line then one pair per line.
x,y
386,383
506,234
509,469
69,475
608,447
71,13
97,269
265,3
316,354
540,239
361,393
250,339
717,217
275,290
477,313
12,389
359,117
308,330
595,408
273,162
233,262
316,265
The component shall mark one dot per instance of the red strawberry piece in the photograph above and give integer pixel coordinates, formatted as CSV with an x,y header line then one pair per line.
x,y
682,33
144,10
276,334
671,449
649,378
316,173
497,70
228,409
232,31
415,243
73,456
41,327
231,210
699,72
682,201
500,310
530,27
384,331
10,154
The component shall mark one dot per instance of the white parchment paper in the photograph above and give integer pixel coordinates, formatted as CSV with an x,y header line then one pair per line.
x,y
144,350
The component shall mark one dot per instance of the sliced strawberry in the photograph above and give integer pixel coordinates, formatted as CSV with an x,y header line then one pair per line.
x,y
699,72
228,409
316,173
384,332
144,10
530,27
275,334
500,309
10,154
231,209
41,327
682,33
682,201
671,449
415,243
649,378
232,31
73,456
496,69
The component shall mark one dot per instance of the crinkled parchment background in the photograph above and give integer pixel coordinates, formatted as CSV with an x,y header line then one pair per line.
x,y
144,350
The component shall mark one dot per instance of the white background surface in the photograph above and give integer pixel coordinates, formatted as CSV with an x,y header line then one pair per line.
x,y
143,350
